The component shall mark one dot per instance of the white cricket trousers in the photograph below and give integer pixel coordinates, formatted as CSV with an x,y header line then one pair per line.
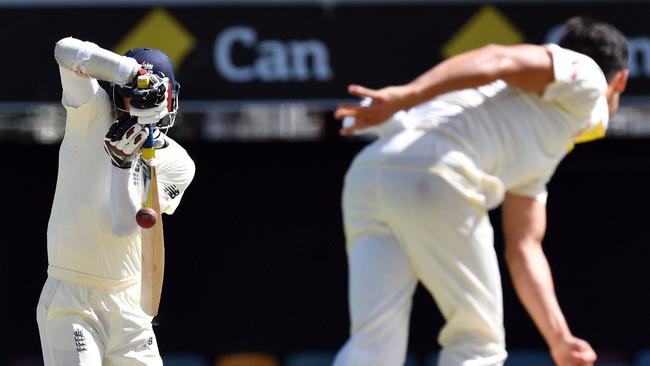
x,y
404,225
86,326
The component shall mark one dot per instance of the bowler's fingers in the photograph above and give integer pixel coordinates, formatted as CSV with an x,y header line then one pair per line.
x,y
362,92
347,110
584,355
587,350
353,111
349,131
356,111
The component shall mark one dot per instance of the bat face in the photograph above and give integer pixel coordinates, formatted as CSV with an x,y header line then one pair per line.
x,y
146,183
152,241
153,245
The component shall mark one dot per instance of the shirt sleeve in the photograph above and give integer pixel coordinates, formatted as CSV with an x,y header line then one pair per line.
x,y
77,90
536,185
175,173
577,79
536,190
579,88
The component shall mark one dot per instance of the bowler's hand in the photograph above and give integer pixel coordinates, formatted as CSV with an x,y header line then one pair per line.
x,y
573,351
385,103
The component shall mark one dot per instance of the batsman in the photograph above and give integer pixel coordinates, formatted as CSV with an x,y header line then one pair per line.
x,y
91,311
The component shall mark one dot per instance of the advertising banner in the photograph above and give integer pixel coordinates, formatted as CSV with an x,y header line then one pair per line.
x,y
305,52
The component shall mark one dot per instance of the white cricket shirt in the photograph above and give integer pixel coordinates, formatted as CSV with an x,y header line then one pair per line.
x,y
80,238
516,138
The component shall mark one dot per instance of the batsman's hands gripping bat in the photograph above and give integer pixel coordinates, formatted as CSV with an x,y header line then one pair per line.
x,y
153,247
123,141
151,103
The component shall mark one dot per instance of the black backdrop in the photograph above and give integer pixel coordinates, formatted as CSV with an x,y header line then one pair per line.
x,y
255,257
255,252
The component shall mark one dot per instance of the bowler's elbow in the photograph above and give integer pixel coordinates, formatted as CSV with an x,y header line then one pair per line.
x,y
493,61
526,67
522,251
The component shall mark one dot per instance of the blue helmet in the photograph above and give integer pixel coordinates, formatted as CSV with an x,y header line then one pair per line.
x,y
158,63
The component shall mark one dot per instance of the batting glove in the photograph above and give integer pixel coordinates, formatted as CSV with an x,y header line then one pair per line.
x,y
150,104
123,141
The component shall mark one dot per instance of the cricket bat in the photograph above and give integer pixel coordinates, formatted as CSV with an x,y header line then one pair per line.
x,y
153,243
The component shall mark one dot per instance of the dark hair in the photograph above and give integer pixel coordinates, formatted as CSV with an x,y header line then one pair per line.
x,y
601,41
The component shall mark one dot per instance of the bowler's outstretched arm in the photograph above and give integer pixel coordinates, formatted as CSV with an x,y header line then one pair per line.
x,y
524,225
527,67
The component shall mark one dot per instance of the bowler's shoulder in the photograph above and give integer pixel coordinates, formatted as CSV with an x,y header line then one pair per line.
x,y
575,67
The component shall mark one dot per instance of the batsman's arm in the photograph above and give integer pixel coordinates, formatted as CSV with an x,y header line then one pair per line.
x,y
82,63
77,90
88,59
175,173
524,225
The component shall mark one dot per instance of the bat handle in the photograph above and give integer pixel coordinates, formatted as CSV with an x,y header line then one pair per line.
x,y
147,216
142,82
148,151
148,154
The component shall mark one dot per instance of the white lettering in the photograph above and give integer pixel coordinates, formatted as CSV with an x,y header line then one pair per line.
x,y
639,64
273,63
276,61
222,53
302,51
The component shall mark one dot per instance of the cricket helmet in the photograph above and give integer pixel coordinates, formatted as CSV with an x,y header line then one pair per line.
x,y
156,62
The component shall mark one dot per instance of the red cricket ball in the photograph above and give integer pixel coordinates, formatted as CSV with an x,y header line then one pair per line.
x,y
146,217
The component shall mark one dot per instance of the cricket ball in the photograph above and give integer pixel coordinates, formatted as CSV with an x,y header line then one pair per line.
x,y
146,217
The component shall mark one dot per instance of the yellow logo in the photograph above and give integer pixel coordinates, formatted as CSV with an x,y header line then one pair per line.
x,y
159,29
488,25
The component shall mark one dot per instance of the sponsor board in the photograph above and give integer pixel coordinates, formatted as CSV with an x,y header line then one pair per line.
x,y
305,52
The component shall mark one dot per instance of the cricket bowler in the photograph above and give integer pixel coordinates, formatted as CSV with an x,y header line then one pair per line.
x,y
481,129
